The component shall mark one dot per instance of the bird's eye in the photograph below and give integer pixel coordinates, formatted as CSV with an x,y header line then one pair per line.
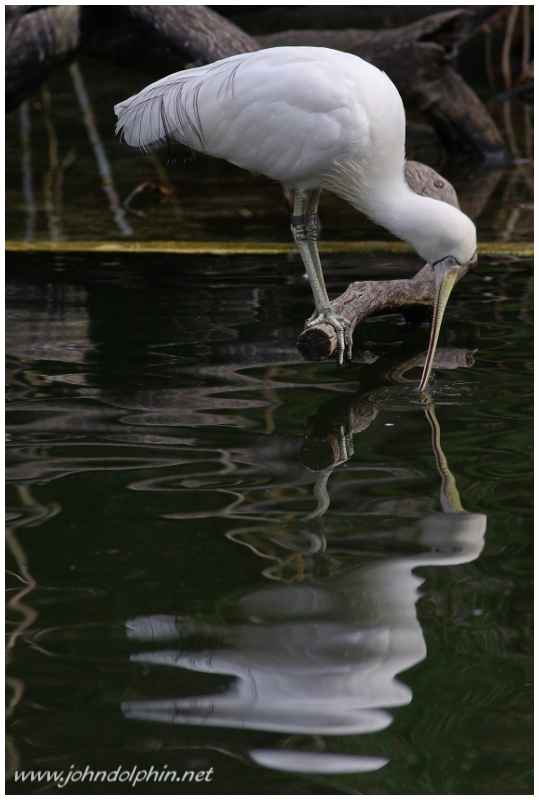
x,y
451,262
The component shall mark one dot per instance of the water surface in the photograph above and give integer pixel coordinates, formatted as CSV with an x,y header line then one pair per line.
x,y
279,576
223,558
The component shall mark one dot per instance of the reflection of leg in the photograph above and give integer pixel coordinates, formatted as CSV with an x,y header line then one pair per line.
x,y
305,236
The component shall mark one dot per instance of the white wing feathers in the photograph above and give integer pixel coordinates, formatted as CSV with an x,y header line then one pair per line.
x,y
170,108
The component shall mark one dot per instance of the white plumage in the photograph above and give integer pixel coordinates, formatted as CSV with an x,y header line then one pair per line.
x,y
312,119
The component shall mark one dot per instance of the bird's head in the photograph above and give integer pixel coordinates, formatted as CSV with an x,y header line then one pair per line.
x,y
448,238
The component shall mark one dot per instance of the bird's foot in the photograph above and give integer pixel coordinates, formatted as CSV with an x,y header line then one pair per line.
x,y
343,329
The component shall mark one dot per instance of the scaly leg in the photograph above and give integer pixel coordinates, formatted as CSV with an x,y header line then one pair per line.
x,y
305,236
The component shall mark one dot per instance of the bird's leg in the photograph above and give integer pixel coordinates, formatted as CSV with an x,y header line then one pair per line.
x,y
305,235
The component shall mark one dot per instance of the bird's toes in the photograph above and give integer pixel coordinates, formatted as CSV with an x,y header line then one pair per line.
x,y
342,327
344,345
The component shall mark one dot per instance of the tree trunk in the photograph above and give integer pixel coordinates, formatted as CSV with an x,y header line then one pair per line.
x,y
196,33
36,44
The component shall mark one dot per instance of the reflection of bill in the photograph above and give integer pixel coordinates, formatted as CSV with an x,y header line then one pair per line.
x,y
311,658
318,657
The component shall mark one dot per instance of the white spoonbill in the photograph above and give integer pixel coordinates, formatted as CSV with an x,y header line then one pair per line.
x,y
312,119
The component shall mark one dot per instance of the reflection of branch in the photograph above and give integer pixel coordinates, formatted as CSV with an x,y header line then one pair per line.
x,y
506,47
99,150
526,38
54,177
28,615
53,212
34,513
27,177
509,130
446,358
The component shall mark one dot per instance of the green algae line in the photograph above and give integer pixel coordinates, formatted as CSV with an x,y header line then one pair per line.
x,y
522,249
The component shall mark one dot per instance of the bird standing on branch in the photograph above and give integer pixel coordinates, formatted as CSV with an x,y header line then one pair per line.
x,y
312,119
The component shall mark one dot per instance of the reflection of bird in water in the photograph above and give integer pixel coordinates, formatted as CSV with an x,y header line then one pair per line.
x,y
329,444
313,119
317,658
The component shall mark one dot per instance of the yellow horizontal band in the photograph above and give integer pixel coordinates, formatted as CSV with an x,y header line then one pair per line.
x,y
522,249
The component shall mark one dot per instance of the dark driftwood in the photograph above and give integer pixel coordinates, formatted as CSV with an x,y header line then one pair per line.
x,y
196,33
36,44
156,39
164,39
364,298
13,14
417,59
161,40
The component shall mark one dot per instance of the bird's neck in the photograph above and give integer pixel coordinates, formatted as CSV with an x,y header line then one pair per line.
x,y
424,223
381,193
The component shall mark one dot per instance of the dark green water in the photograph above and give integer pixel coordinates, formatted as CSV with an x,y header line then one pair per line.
x,y
184,594
279,577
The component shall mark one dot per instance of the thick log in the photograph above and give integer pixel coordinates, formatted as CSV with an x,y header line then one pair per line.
x,y
417,59
156,39
13,15
161,40
36,44
196,33
365,298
